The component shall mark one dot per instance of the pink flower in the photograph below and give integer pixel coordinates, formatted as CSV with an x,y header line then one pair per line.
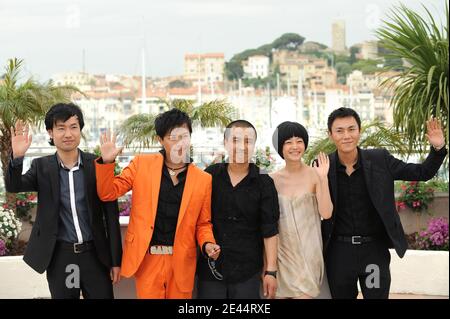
x,y
3,249
400,205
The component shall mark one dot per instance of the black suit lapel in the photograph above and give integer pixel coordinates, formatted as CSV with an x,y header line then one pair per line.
x,y
53,170
367,168
89,181
374,192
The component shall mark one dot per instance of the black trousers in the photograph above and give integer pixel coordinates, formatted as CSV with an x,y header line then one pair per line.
x,y
369,263
249,289
69,274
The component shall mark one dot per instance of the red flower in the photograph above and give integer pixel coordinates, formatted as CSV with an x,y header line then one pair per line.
x,y
416,203
400,205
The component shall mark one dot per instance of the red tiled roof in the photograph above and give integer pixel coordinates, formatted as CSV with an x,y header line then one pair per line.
x,y
204,56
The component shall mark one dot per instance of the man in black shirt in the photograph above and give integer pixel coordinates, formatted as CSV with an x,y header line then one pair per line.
x,y
365,222
245,216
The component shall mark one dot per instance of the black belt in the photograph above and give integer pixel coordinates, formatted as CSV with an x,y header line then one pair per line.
x,y
356,240
76,247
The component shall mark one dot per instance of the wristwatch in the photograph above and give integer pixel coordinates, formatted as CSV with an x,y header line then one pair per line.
x,y
270,273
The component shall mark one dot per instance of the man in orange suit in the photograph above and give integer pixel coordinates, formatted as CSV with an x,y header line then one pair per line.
x,y
170,210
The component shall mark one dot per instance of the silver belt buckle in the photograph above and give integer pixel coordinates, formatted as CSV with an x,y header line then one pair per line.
x,y
75,248
155,250
161,250
354,242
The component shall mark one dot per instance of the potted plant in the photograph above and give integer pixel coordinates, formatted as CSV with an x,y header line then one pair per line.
x,y
435,237
25,204
417,196
10,227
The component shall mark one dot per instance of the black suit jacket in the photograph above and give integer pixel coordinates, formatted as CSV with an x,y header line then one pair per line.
x,y
380,171
43,178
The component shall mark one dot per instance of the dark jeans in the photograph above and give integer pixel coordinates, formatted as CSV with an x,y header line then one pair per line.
x,y
94,279
368,262
249,289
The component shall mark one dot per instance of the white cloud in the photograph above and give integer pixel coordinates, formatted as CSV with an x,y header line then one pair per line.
x,y
222,8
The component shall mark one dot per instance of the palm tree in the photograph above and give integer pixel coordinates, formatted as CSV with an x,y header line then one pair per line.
x,y
373,135
421,89
27,101
139,129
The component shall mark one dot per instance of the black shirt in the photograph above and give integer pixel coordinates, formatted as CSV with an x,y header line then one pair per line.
x,y
169,202
74,223
74,218
242,216
356,214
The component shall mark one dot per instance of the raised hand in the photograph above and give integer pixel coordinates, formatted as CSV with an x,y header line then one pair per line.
x,y
108,147
20,139
434,134
324,165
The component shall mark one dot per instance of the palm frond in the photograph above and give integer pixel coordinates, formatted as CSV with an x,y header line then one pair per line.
x,y
214,113
138,131
186,106
421,89
28,101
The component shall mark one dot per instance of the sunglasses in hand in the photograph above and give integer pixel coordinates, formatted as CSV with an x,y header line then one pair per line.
x,y
214,271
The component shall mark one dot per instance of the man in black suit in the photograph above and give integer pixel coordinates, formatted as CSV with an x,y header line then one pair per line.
x,y
365,222
76,237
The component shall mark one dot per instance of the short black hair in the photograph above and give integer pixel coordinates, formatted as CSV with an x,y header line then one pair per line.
x,y
287,130
238,123
167,121
343,112
62,112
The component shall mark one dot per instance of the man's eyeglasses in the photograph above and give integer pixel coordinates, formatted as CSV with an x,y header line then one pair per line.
x,y
214,271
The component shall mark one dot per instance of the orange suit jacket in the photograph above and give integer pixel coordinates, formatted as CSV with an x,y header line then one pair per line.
x,y
143,177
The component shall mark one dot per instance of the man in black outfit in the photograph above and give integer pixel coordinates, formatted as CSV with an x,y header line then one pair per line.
x,y
245,213
365,222
76,237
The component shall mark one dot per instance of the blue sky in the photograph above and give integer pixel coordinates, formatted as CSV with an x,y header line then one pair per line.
x,y
51,34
